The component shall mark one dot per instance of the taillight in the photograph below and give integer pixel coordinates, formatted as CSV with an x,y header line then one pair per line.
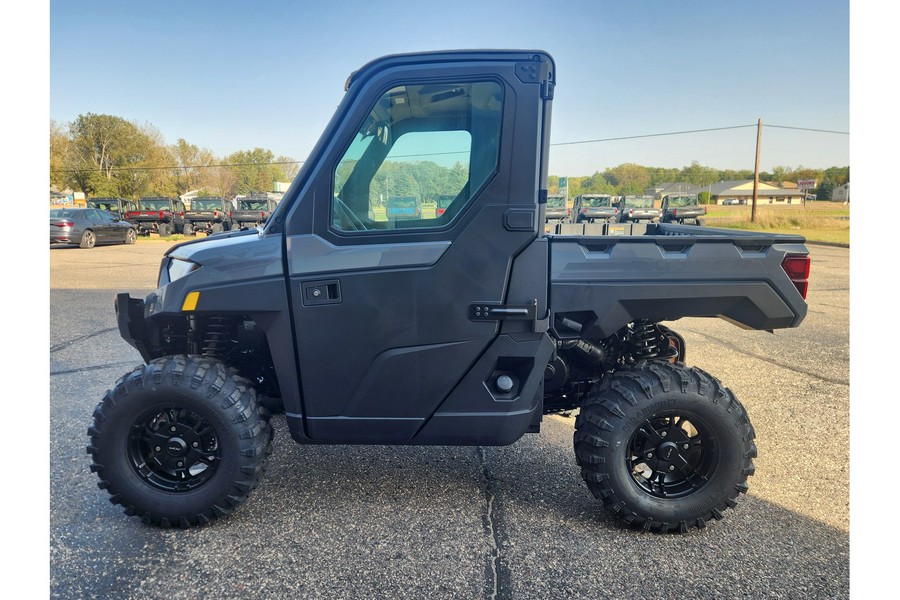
x,y
675,212
230,214
65,224
797,269
215,214
262,215
161,214
568,211
438,212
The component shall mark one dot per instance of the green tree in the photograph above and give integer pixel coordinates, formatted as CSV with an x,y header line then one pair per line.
x,y
254,170
699,174
107,155
628,178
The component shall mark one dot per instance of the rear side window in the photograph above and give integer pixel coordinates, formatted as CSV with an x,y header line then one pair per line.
x,y
421,154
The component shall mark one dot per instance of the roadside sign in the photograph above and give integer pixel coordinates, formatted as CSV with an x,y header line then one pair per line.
x,y
806,184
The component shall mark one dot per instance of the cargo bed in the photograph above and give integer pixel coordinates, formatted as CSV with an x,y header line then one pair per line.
x,y
604,276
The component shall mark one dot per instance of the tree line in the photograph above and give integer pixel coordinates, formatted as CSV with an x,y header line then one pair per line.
x,y
105,155
634,179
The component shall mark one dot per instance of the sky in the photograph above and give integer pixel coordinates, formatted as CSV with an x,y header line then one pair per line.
x,y
228,75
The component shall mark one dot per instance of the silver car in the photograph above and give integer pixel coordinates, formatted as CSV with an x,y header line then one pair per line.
x,y
88,227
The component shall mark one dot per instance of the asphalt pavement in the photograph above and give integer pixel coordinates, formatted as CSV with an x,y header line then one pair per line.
x,y
461,522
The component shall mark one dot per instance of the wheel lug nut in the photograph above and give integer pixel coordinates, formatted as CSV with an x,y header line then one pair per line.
x,y
663,434
173,429
671,467
158,449
686,446
649,455
180,464
195,444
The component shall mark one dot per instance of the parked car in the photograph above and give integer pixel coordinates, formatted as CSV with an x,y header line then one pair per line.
x,y
556,209
208,215
442,203
731,202
252,211
639,208
595,207
164,216
403,207
88,227
684,209
117,207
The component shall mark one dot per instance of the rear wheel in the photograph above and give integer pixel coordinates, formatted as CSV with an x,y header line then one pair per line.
x,y
180,441
88,239
164,230
216,228
664,446
130,236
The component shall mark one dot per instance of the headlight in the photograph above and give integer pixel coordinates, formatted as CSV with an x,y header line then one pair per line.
x,y
178,268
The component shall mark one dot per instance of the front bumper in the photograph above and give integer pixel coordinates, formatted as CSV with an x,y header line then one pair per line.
x,y
132,324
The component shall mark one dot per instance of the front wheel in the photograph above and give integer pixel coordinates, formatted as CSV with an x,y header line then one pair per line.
x,y
130,236
180,441
664,446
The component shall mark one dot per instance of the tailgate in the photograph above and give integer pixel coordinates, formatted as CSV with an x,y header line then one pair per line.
x,y
671,272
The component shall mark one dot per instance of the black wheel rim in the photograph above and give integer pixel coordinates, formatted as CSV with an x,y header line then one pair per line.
x,y
672,455
173,449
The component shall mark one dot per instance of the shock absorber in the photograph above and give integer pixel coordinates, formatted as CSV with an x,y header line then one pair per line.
x,y
215,338
645,340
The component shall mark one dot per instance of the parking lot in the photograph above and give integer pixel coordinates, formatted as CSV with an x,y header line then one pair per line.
x,y
461,522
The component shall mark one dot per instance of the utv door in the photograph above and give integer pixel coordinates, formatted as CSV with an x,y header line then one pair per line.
x,y
384,309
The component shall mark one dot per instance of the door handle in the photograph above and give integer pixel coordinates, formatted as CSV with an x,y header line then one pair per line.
x,y
315,293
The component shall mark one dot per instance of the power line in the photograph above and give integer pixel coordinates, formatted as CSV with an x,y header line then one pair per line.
x,y
611,139
808,129
649,135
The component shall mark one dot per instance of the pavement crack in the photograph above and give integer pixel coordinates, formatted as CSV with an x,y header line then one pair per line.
x,y
92,368
806,372
496,587
81,338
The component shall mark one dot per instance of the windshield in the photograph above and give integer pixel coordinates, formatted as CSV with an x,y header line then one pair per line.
x,y
556,201
206,204
153,204
402,202
103,205
638,202
253,204
682,200
602,201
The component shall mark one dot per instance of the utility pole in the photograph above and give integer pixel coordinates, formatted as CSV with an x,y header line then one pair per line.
x,y
756,172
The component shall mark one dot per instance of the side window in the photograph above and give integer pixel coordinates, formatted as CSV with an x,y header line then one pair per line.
x,y
421,154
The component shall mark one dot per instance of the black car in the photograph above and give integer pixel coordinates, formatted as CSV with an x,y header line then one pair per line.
x,y
88,227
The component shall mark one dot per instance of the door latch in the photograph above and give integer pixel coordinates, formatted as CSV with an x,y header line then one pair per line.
x,y
493,311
